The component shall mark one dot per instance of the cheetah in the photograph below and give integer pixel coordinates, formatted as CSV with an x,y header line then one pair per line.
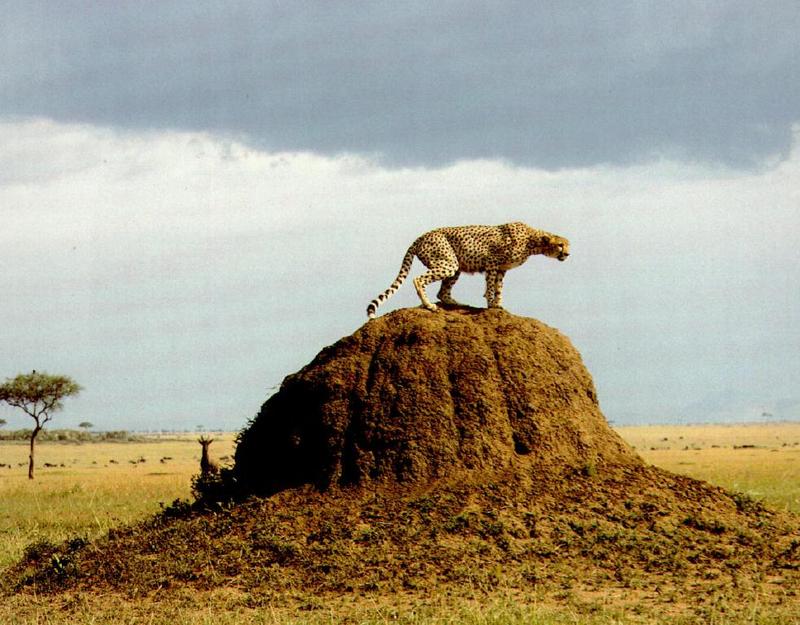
x,y
493,250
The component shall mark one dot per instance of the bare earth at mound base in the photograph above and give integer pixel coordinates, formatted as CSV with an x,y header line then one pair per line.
x,y
462,451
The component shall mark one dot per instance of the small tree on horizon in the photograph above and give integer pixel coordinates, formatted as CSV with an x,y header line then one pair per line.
x,y
39,395
86,425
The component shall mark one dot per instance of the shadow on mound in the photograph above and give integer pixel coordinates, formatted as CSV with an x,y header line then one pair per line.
x,y
413,396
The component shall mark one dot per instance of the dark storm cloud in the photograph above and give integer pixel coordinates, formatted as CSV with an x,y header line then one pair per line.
x,y
545,84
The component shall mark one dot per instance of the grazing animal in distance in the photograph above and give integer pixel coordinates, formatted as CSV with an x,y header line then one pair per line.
x,y
207,465
493,250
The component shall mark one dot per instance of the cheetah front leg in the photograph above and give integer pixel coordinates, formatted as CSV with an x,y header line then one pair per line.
x,y
494,287
440,272
498,288
489,292
445,292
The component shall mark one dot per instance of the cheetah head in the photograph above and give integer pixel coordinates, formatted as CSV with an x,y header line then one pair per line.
x,y
554,246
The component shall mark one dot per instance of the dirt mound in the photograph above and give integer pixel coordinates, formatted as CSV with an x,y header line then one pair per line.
x,y
629,534
414,396
457,452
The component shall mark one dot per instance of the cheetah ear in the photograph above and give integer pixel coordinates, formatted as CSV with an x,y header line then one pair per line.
x,y
545,240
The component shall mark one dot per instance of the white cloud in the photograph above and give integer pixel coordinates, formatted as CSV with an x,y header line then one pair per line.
x,y
201,268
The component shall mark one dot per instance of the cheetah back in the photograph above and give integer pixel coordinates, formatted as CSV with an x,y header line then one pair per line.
x,y
476,248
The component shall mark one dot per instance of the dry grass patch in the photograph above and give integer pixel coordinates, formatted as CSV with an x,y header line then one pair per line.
x,y
502,607
759,460
91,488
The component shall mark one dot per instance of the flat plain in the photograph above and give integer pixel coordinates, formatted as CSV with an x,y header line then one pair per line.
x,y
85,489
760,460
88,488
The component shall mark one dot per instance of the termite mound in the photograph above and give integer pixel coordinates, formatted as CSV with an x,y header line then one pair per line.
x,y
415,396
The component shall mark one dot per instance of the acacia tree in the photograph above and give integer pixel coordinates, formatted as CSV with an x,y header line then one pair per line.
x,y
39,395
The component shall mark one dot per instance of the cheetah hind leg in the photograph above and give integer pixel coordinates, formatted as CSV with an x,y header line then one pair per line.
x,y
445,292
432,275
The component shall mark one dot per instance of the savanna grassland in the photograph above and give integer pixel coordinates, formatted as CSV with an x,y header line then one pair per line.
x,y
85,494
84,489
760,460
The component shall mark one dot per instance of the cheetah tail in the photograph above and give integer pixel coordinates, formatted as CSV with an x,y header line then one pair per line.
x,y
404,269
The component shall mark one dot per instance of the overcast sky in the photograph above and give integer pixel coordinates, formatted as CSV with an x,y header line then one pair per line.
x,y
195,198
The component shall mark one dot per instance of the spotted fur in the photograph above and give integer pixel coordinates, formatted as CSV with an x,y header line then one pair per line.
x,y
493,250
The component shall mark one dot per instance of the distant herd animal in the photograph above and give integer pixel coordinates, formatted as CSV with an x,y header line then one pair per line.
x,y
493,250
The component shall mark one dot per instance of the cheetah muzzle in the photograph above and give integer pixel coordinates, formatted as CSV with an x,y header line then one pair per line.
x,y
493,250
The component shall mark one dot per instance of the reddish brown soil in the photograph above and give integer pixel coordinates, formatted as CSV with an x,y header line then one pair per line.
x,y
463,449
